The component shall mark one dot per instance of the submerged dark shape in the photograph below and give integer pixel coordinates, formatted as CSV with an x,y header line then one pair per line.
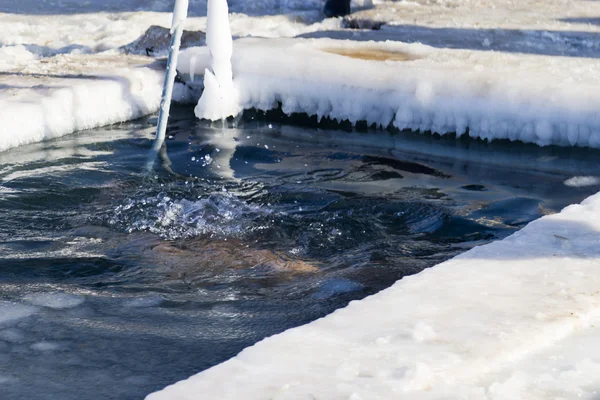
x,y
385,175
474,188
513,211
336,8
405,166
193,257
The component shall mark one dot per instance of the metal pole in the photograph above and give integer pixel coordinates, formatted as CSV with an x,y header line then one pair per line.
x,y
179,16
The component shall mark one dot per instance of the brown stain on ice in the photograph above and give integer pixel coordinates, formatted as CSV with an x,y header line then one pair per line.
x,y
372,54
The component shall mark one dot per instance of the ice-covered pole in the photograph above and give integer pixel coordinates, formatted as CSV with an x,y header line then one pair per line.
x,y
179,16
219,98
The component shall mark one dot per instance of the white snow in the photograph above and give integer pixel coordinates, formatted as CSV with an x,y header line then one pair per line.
x,y
412,94
54,300
63,69
513,319
72,93
446,83
550,100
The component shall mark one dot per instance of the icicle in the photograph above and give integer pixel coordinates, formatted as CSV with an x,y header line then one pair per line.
x,y
219,99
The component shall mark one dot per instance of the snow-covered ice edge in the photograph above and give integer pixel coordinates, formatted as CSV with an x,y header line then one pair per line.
x,y
505,320
77,92
488,95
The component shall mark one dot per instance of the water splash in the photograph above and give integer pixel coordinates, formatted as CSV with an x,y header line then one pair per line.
x,y
222,215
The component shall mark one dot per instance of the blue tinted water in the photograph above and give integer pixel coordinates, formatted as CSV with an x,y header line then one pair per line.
x,y
116,281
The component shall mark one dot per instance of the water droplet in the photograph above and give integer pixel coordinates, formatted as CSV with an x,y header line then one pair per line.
x,y
193,158
270,126
217,149
266,147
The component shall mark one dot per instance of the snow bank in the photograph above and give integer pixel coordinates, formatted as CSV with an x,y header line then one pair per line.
x,y
71,93
34,33
56,33
62,67
536,99
501,321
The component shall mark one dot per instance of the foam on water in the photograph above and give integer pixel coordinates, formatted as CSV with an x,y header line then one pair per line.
x,y
146,301
580,181
54,300
45,346
336,286
4,189
12,335
12,311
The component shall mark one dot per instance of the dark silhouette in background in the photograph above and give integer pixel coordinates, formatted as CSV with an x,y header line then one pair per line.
x,y
336,8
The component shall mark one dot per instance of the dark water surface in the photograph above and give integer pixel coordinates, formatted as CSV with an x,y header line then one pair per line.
x,y
115,282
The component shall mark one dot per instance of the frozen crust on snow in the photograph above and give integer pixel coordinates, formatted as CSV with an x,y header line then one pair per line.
x,y
489,95
503,321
